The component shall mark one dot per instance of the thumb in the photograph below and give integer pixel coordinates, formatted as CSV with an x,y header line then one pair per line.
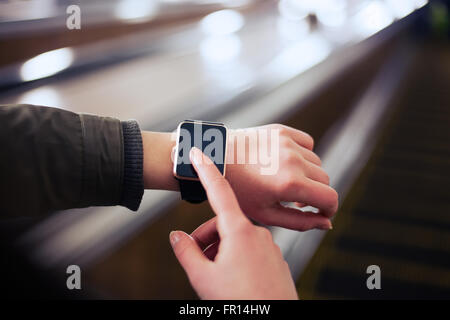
x,y
189,254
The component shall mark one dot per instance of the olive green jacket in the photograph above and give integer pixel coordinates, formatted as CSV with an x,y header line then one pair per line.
x,y
53,159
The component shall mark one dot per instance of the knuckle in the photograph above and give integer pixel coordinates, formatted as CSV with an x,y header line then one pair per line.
x,y
265,233
284,185
310,141
289,183
283,130
273,126
318,160
291,157
285,142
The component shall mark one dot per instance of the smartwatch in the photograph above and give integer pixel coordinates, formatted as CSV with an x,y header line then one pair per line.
x,y
211,139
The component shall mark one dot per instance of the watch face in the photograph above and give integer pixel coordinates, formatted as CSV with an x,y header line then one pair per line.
x,y
208,137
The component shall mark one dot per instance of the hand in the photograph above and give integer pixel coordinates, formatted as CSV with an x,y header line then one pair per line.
x,y
299,179
248,264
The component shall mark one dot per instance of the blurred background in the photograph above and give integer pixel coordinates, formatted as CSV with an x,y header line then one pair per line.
x,y
368,79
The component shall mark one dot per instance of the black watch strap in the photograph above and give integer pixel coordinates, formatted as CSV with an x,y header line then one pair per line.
x,y
192,191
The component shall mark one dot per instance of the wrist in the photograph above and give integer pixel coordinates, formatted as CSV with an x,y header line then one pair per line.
x,y
231,157
158,163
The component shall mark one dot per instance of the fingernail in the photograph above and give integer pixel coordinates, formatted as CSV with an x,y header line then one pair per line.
x,y
326,226
195,155
198,158
174,237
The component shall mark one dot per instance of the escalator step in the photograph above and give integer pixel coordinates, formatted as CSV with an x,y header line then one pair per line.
x,y
397,215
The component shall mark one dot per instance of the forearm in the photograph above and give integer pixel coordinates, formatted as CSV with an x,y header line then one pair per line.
x,y
55,159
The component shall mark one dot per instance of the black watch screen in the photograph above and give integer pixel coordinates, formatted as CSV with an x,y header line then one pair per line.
x,y
209,137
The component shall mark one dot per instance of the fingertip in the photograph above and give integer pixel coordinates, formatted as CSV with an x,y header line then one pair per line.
x,y
195,156
175,237
327,225
188,253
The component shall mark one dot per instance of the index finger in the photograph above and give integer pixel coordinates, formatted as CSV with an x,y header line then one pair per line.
x,y
221,197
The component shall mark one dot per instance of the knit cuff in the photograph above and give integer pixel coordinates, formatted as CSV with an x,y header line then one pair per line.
x,y
133,181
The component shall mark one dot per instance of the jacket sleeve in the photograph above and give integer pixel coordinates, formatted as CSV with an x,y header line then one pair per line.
x,y
54,159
